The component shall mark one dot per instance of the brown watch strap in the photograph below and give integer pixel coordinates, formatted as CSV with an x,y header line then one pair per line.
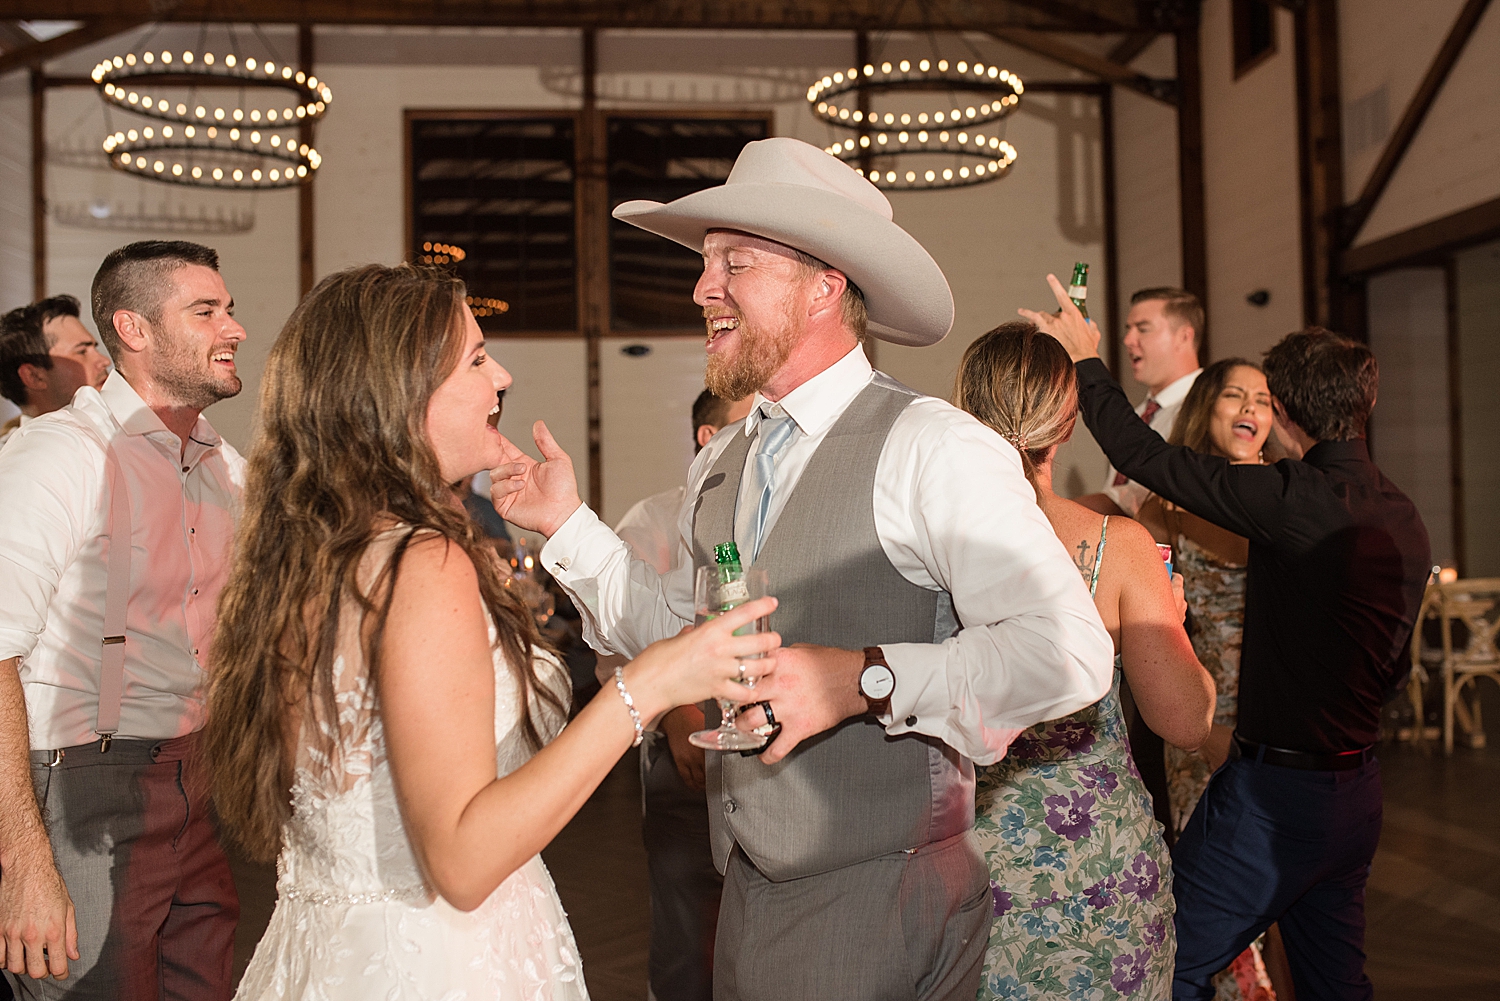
x,y
874,707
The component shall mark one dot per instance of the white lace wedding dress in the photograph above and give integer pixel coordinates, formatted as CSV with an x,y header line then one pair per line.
x,y
354,920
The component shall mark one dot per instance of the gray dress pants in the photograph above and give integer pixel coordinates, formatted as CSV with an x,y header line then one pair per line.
x,y
909,926
137,849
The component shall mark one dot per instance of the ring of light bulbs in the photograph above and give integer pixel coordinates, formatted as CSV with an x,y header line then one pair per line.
x,y
950,131
139,151
269,161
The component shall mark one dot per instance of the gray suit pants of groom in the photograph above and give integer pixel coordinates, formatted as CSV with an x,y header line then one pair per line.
x,y
909,926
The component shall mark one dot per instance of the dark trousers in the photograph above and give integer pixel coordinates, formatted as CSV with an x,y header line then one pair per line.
x,y
1268,843
685,886
152,892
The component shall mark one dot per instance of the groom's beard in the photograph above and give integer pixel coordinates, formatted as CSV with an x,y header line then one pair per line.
x,y
759,355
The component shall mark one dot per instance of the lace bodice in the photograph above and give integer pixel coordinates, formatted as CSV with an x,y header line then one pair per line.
x,y
354,918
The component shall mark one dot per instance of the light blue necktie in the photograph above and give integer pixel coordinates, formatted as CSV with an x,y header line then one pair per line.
x,y
775,432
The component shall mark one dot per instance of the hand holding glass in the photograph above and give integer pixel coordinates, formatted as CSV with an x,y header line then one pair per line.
x,y
717,589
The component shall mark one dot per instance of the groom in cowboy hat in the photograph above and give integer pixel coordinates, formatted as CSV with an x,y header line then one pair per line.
x,y
929,610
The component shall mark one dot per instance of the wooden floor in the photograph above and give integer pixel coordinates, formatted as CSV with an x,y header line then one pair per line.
x,y
1433,905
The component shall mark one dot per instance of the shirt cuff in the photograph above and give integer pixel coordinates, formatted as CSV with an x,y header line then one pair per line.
x,y
577,549
921,703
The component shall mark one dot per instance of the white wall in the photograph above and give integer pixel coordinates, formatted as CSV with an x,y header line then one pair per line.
x,y
1409,430
1451,163
1250,183
1479,358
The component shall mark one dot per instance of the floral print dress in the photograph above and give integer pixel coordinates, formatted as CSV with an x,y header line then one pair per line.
x,y
1079,871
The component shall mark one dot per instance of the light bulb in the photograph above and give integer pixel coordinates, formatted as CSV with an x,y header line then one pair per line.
x,y
197,173
906,65
929,176
176,170
208,58
218,174
885,67
250,63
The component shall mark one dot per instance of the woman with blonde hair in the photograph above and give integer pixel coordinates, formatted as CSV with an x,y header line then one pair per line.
x,y
1080,873
383,712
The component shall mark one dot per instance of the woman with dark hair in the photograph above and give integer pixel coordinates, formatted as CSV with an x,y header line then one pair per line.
x,y
383,711
1226,413
1079,870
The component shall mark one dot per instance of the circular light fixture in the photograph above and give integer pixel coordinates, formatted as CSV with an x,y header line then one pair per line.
x,y
443,253
484,306
209,143
144,84
208,159
949,134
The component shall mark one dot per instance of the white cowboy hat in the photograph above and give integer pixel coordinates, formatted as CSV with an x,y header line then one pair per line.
x,y
795,194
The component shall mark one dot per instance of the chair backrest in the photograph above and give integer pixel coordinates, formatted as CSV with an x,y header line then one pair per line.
x,y
1476,604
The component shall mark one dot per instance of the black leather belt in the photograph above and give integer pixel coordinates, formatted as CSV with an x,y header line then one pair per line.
x,y
1304,760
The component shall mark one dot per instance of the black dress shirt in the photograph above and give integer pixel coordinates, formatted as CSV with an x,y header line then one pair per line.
x,y
1339,559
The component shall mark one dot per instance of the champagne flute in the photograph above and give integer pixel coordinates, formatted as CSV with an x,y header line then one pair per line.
x,y
717,589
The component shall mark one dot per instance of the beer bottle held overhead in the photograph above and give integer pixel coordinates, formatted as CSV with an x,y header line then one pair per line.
x,y
1078,290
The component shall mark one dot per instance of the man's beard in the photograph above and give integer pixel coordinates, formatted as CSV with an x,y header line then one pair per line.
x,y
191,380
762,352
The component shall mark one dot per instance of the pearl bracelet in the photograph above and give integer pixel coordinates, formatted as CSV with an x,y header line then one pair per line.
x,y
635,717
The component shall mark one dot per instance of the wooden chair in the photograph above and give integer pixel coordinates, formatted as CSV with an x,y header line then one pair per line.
x,y
1476,604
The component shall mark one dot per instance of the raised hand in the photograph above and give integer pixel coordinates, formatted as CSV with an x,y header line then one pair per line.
x,y
1079,336
535,496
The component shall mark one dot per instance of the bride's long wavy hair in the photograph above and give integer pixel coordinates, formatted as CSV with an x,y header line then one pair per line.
x,y
341,455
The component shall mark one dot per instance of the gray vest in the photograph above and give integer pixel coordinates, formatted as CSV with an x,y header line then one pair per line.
x,y
851,793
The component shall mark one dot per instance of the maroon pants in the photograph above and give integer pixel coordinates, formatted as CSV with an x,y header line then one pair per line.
x,y
136,845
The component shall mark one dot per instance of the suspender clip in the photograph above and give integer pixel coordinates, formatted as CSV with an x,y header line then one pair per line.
x,y
104,742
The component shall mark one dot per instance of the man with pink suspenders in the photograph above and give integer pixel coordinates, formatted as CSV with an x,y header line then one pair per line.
x,y
114,543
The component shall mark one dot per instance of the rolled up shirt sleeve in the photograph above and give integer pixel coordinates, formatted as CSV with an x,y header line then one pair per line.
x,y
47,477
955,511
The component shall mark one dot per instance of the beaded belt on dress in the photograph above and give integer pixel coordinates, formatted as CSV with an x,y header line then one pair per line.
x,y
309,895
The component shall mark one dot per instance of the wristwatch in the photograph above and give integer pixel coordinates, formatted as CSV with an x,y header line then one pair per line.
x,y
876,682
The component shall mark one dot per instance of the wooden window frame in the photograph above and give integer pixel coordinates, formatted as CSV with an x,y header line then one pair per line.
x,y
409,115
1239,32
767,115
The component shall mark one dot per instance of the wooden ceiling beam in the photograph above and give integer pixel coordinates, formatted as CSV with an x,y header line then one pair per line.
x,y
1070,55
34,55
846,15
1356,215
1132,45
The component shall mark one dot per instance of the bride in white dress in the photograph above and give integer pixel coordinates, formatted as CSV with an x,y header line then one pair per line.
x,y
382,717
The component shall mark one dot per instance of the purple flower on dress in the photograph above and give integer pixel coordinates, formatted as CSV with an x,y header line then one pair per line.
x,y
1075,735
1129,971
1143,878
1003,899
1071,816
1156,933
1026,746
1099,777
1102,893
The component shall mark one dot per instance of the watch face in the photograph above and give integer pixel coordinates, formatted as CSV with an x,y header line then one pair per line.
x,y
877,682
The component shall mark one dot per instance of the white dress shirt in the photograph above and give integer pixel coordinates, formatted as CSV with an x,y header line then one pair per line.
x,y
953,511
1130,495
54,547
650,527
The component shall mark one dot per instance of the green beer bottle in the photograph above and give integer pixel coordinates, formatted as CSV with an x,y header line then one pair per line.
x,y
727,555
1078,290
